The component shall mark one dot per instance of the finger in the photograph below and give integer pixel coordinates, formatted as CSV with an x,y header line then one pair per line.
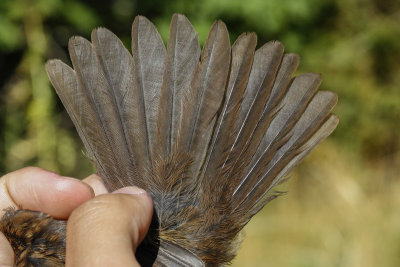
x,y
106,230
95,182
6,252
37,189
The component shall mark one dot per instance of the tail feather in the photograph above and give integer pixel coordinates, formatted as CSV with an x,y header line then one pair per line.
x,y
182,57
242,59
323,132
293,105
118,68
90,76
205,95
282,83
267,60
261,181
148,52
253,152
209,139
73,98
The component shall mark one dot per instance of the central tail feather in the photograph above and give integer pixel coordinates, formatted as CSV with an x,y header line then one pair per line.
x,y
182,57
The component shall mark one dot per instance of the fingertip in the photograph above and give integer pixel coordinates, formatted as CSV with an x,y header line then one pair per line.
x,y
130,190
144,207
68,194
95,182
37,189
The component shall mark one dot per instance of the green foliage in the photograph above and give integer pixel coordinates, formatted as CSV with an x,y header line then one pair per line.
x,y
80,16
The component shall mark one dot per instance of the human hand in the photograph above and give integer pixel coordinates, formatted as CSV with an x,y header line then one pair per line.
x,y
106,230
36,189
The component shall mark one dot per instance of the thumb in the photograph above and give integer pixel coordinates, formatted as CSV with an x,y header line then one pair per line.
x,y
106,230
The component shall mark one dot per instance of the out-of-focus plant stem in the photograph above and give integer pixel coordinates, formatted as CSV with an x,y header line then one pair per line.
x,y
41,107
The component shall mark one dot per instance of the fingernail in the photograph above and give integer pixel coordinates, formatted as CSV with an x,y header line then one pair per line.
x,y
64,182
131,190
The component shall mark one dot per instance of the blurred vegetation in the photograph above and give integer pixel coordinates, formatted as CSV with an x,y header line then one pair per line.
x,y
344,201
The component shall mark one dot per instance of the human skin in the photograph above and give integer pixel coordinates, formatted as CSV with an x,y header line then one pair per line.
x,y
121,217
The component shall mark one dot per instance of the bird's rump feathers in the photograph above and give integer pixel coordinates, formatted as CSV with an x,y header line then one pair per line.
x,y
207,134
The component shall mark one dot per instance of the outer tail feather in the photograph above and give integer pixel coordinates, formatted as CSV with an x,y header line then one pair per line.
x,y
281,84
323,132
90,76
64,81
293,105
315,114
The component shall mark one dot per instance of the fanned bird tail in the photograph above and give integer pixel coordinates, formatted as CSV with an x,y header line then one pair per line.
x,y
208,134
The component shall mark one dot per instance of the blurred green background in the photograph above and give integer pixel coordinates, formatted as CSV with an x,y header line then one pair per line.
x,y
343,205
